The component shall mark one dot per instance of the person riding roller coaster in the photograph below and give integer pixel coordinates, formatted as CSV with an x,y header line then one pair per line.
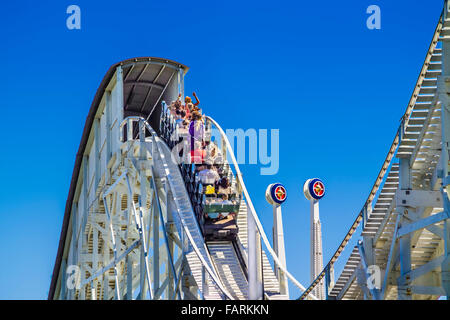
x,y
219,203
188,106
188,100
197,132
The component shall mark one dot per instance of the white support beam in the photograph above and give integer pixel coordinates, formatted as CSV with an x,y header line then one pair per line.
x,y
156,260
169,227
279,248
181,83
403,282
129,263
97,173
422,223
415,216
108,113
145,270
254,257
393,253
95,256
115,184
424,269
119,88
63,290
419,198
74,243
111,264
113,240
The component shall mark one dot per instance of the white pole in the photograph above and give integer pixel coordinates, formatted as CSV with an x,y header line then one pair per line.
x,y
316,248
278,245
254,281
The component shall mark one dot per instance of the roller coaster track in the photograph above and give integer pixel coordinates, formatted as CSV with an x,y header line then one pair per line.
x,y
169,170
405,234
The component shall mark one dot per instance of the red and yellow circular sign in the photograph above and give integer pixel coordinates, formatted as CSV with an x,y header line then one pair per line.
x,y
318,188
276,193
280,193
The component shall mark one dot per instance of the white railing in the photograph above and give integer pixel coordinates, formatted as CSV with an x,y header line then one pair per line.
x,y
252,210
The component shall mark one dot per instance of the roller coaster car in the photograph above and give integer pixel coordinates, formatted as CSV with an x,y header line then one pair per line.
x,y
222,228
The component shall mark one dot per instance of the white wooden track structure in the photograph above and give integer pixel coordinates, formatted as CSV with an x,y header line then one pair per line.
x,y
403,227
129,229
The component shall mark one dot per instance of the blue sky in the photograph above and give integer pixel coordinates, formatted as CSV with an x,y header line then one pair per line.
x,y
335,90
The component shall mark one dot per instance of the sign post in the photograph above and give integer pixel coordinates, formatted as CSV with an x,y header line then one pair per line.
x,y
314,190
275,195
